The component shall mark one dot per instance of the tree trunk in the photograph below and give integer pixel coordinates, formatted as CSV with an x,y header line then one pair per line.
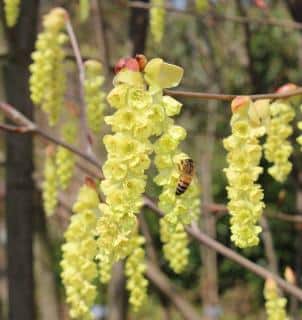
x,y
19,168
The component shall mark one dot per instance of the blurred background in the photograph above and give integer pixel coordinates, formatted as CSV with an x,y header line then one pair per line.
x,y
233,46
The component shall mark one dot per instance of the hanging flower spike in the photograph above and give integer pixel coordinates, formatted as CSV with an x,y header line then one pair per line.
x,y
157,20
84,8
48,78
201,5
245,196
78,266
50,183
179,210
12,10
277,148
94,96
125,179
275,305
135,269
65,159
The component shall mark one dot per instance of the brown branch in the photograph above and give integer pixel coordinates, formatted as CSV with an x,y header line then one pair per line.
x,y
164,285
286,24
204,239
14,129
193,231
11,113
229,97
249,265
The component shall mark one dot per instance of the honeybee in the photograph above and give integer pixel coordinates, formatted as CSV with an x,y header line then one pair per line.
x,y
186,168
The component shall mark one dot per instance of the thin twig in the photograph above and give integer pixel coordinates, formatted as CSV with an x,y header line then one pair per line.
x,y
249,265
204,239
229,97
81,69
14,129
286,24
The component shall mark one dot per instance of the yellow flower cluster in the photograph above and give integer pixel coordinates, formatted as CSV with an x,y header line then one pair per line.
x,y
277,148
94,96
172,226
140,114
48,79
157,19
78,266
275,305
50,183
179,210
128,159
65,159
84,8
201,5
135,269
11,9
299,139
245,195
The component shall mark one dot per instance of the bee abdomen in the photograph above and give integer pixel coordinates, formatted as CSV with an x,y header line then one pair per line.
x,y
181,187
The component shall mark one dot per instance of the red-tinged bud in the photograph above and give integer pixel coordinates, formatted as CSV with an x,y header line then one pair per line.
x,y
239,103
50,150
286,88
261,4
126,63
120,65
289,275
132,64
90,182
141,60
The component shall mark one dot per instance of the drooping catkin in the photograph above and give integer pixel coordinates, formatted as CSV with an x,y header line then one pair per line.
x,y
50,182
48,78
245,195
78,265
12,10
65,159
94,95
